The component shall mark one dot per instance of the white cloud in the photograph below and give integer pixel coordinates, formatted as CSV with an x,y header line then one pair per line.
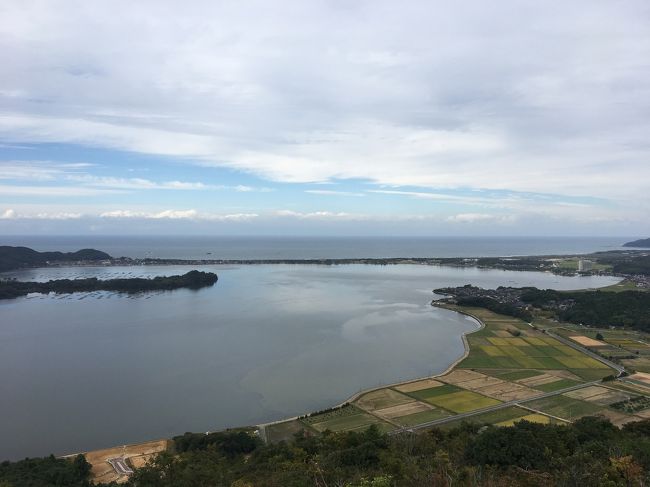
x,y
8,214
548,97
137,183
317,215
177,215
326,192
479,217
56,191
11,214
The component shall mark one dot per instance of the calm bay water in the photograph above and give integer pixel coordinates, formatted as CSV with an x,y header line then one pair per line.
x,y
93,370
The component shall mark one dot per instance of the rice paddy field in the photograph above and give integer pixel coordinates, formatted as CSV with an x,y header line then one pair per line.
x,y
512,372
631,348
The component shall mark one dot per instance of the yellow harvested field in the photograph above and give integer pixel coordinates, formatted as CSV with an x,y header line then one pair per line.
x,y
402,410
645,414
461,375
587,342
482,382
508,391
641,377
534,341
533,418
538,380
493,350
419,385
587,392
599,395
137,455
381,399
563,374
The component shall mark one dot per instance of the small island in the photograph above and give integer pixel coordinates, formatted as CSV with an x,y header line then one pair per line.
x,y
12,288
641,243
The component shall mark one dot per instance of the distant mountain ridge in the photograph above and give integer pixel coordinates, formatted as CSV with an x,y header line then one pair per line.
x,y
643,242
17,257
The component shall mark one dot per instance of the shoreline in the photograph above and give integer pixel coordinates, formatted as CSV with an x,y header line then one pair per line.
x,y
261,426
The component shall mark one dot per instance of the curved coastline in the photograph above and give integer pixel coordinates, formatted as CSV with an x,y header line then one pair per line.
x,y
357,395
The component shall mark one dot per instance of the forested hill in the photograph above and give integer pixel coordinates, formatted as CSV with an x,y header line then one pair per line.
x,y
16,257
588,452
644,242
10,289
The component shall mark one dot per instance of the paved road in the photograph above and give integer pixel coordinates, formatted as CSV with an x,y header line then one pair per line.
x,y
495,408
120,466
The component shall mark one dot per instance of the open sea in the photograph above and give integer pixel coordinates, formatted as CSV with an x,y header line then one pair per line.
x,y
319,247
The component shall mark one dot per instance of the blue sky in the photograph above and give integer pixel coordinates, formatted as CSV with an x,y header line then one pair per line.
x,y
517,118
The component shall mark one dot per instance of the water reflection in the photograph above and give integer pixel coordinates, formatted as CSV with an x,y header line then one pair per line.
x,y
98,369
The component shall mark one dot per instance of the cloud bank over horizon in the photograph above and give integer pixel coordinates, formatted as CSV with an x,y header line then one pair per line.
x,y
326,117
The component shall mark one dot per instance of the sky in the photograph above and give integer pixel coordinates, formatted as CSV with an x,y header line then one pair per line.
x,y
334,117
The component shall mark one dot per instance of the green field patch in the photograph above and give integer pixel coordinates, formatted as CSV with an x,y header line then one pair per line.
x,y
581,363
475,361
531,418
550,351
534,341
514,351
492,417
381,399
550,341
571,362
421,417
519,374
591,363
556,386
506,362
550,363
493,350
592,374
529,362
425,394
500,342
345,423
539,351
567,350
564,407
347,410
462,402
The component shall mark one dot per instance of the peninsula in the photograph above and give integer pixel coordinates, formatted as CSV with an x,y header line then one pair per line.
x,y
12,258
12,288
643,243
